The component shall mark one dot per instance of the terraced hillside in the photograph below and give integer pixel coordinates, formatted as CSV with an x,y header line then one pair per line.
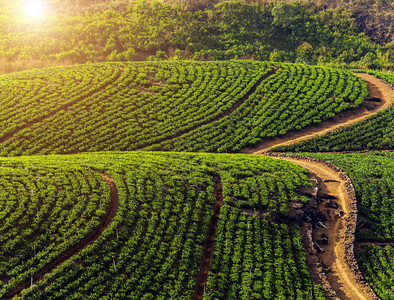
x,y
192,106
152,225
156,214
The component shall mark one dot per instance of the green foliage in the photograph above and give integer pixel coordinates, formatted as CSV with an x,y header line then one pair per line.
x,y
373,178
103,30
305,53
263,193
283,14
256,259
378,267
295,97
376,132
182,106
153,247
45,211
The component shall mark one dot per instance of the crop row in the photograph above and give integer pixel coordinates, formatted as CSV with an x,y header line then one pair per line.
x,y
31,95
295,97
44,212
153,247
263,192
376,132
141,103
377,264
193,106
256,259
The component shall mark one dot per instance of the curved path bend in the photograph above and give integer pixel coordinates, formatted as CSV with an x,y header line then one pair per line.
x,y
341,278
376,87
82,244
345,282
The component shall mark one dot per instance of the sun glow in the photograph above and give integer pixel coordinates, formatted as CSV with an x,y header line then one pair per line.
x,y
34,9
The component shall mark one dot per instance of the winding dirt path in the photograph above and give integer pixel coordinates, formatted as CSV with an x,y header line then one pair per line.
x,y
207,256
86,241
341,278
344,282
376,87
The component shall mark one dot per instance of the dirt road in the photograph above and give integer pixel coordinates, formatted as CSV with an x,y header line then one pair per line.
x,y
339,275
376,88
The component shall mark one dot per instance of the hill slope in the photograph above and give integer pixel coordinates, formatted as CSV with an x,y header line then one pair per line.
x,y
183,106
153,246
372,176
375,132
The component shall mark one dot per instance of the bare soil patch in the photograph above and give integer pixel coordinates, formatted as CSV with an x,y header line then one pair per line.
x,y
332,258
207,256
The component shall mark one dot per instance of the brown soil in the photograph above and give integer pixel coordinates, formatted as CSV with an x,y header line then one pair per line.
x,y
376,88
88,240
207,256
337,271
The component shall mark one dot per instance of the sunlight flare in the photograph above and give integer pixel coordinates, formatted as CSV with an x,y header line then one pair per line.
x,y
34,9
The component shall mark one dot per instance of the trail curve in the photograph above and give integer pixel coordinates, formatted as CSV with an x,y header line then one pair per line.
x,y
346,282
376,87
82,244
208,249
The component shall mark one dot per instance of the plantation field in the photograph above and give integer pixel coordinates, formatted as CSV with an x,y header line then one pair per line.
x,y
182,106
378,266
153,246
376,132
256,259
116,174
160,225
45,211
